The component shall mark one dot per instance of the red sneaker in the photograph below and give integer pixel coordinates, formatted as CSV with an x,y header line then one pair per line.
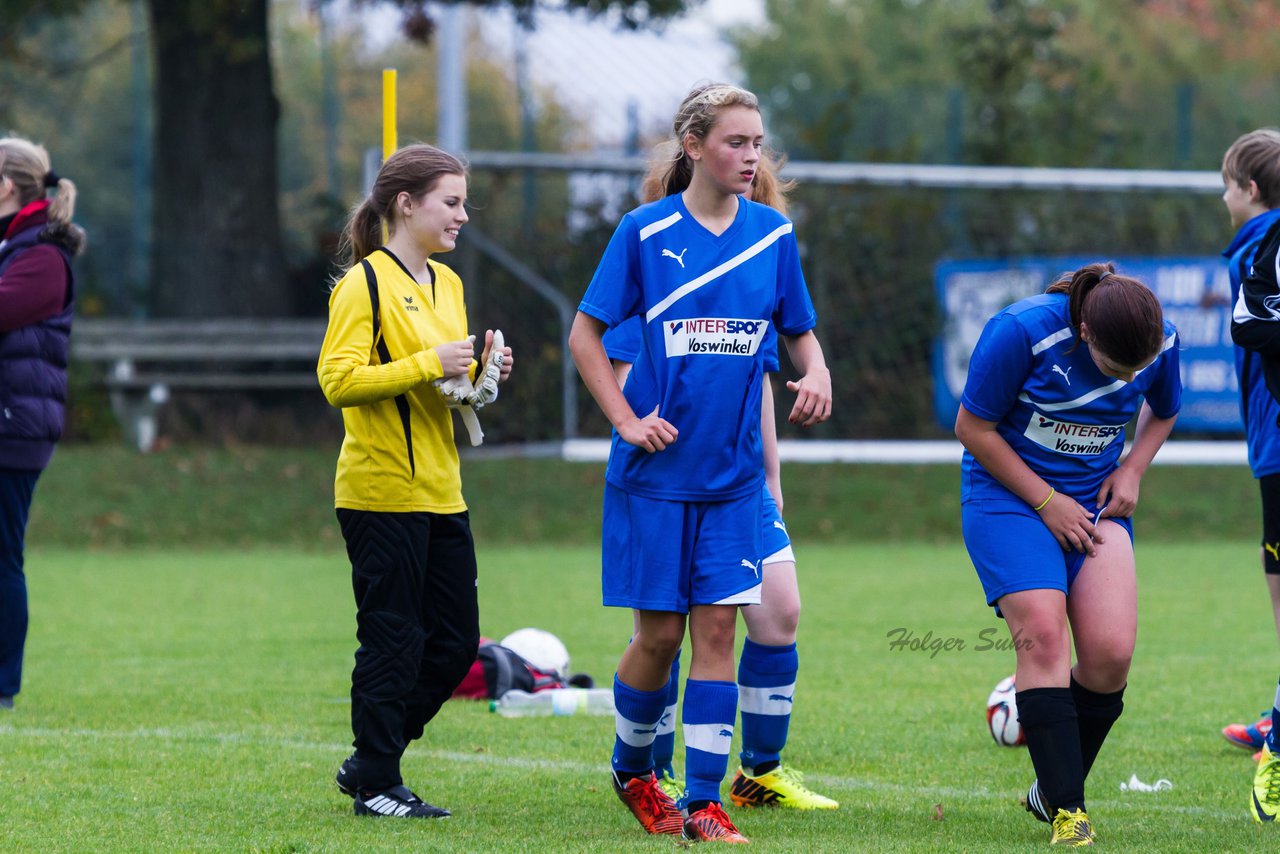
x,y
651,806
710,824
1248,736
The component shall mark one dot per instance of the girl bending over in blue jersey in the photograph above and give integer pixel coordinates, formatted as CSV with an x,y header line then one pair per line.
x,y
710,274
769,662
1046,503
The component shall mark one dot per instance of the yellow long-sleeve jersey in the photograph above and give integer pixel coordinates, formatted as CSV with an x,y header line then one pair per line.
x,y
398,454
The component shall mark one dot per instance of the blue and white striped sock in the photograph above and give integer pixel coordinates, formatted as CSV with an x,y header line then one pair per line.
x,y
664,746
766,688
708,715
635,725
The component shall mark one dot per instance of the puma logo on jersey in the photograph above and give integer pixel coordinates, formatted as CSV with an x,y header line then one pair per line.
x,y
751,566
1275,550
1058,370
777,523
667,253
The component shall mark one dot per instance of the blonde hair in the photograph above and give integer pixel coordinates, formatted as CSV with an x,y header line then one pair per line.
x,y
27,165
767,187
672,170
414,169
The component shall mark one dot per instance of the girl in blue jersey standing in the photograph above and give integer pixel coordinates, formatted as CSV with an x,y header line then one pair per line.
x,y
1047,502
710,273
769,663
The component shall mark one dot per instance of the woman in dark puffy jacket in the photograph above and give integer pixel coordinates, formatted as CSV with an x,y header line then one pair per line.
x,y
37,242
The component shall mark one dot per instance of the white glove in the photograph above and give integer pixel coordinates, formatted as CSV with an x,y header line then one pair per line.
x,y
455,390
487,390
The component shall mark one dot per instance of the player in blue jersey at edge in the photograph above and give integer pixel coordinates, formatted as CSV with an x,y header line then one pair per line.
x,y
1047,501
1251,175
710,273
769,661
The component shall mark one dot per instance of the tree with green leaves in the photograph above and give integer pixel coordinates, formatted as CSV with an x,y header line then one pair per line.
x,y
217,247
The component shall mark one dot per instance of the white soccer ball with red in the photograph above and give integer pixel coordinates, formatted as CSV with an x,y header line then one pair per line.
x,y
540,648
1002,715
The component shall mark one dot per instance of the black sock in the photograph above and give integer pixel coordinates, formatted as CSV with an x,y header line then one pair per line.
x,y
1096,713
1048,718
625,777
693,806
765,767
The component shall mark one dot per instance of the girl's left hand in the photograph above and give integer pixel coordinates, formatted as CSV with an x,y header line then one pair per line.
x,y
507,358
1118,496
813,398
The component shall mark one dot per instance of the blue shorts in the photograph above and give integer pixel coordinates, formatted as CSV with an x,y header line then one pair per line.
x,y
1012,549
777,543
670,555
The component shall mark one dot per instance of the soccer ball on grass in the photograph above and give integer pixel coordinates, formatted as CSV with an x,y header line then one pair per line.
x,y
1002,715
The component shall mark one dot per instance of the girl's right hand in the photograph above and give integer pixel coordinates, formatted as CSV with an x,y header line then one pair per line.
x,y
456,356
1070,524
652,432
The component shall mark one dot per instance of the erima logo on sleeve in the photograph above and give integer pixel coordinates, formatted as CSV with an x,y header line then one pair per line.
x,y
716,336
1081,440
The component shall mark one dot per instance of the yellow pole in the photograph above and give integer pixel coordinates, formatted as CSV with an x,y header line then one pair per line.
x,y
388,123
388,112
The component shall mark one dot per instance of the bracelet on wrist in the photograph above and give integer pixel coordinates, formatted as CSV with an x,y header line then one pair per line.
x,y
1045,503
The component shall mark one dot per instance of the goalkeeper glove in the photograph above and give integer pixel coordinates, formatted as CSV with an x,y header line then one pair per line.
x,y
486,390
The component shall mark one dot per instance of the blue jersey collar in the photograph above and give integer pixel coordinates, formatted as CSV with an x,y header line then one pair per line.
x,y
1251,231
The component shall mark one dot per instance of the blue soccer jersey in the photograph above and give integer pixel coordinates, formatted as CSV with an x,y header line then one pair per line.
x,y
1059,413
1258,409
707,303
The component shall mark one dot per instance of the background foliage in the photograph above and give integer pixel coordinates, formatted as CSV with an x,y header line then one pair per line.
x,y
1161,84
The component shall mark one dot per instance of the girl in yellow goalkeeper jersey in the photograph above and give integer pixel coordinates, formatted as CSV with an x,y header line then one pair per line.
x,y
398,325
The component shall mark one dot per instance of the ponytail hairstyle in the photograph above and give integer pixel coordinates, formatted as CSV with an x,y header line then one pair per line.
x,y
1123,315
26,165
672,170
414,169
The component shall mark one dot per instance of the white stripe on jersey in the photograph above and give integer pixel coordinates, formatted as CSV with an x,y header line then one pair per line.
x,y
1090,396
766,701
709,738
633,734
1078,402
654,227
736,261
1047,342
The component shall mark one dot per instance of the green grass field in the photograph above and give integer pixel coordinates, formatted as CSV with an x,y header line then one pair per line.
x,y
195,700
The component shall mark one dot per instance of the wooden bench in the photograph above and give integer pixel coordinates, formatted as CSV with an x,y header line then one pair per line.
x,y
145,360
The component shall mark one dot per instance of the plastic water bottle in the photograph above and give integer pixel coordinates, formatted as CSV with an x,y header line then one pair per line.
x,y
557,701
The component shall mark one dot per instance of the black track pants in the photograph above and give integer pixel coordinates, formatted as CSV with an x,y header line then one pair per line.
x,y
418,624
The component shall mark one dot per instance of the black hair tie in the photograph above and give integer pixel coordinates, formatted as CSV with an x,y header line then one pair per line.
x,y
51,178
